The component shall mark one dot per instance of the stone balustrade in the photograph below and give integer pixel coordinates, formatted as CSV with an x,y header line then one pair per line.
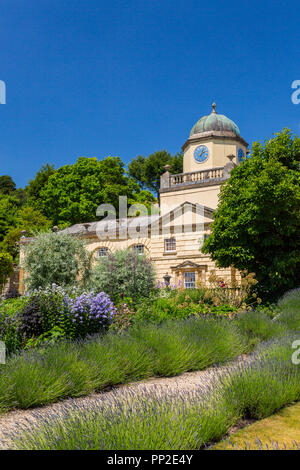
x,y
215,175
201,176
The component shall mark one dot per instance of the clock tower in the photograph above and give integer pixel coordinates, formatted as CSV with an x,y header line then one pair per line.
x,y
211,141
212,149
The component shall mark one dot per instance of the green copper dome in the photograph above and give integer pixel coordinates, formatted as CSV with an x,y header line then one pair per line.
x,y
215,122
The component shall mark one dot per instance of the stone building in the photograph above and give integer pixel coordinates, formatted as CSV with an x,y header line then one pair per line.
x,y
172,239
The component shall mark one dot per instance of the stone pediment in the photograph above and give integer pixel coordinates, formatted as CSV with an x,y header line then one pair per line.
x,y
202,213
189,265
186,216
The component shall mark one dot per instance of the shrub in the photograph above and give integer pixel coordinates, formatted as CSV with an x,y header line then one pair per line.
x,y
10,332
177,306
76,316
46,339
118,359
157,310
123,318
188,421
257,327
263,386
11,306
56,258
239,296
123,273
73,368
31,319
151,423
290,300
6,268
88,314
289,307
51,305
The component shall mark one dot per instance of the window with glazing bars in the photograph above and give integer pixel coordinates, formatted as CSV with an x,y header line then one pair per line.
x,y
189,280
170,244
139,249
103,251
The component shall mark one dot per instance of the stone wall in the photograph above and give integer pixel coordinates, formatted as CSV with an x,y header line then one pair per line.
x,y
13,283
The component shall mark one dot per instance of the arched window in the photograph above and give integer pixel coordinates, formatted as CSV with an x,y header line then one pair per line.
x,y
138,249
103,251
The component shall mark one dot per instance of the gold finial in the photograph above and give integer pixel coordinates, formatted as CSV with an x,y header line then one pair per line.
x,y
214,108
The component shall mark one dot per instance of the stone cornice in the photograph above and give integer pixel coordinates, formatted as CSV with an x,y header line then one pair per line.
x,y
194,139
184,186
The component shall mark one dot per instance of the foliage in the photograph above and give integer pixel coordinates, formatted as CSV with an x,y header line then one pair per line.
x,y
158,310
52,309
12,306
124,316
29,219
7,185
47,339
278,432
50,306
9,206
111,359
35,186
71,369
289,310
123,273
31,319
257,223
147,170
56,259
10,331
252,390
239,295
6,268
257,327
218,300
88,314
74,192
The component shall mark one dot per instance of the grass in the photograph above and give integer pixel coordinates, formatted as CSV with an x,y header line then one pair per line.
x,y
279,431
189,421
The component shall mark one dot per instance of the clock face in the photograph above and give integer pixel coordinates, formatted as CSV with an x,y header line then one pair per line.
x,y
201,154
241,155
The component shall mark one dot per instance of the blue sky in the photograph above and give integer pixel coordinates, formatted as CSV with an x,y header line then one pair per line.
x,y
98,78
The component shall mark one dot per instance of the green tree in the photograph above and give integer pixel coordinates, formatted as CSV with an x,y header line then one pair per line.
x,y
123,272
56,258
6,268
35,186
147,170
7,185
257,223
29,219
74,192
9,206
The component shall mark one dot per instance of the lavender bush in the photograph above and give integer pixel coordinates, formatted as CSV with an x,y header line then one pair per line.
x,y
253,389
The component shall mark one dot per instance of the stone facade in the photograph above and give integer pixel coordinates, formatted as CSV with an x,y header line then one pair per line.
x,y
172,239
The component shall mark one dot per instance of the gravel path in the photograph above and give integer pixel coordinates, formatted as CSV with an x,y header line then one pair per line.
x,y
14,422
